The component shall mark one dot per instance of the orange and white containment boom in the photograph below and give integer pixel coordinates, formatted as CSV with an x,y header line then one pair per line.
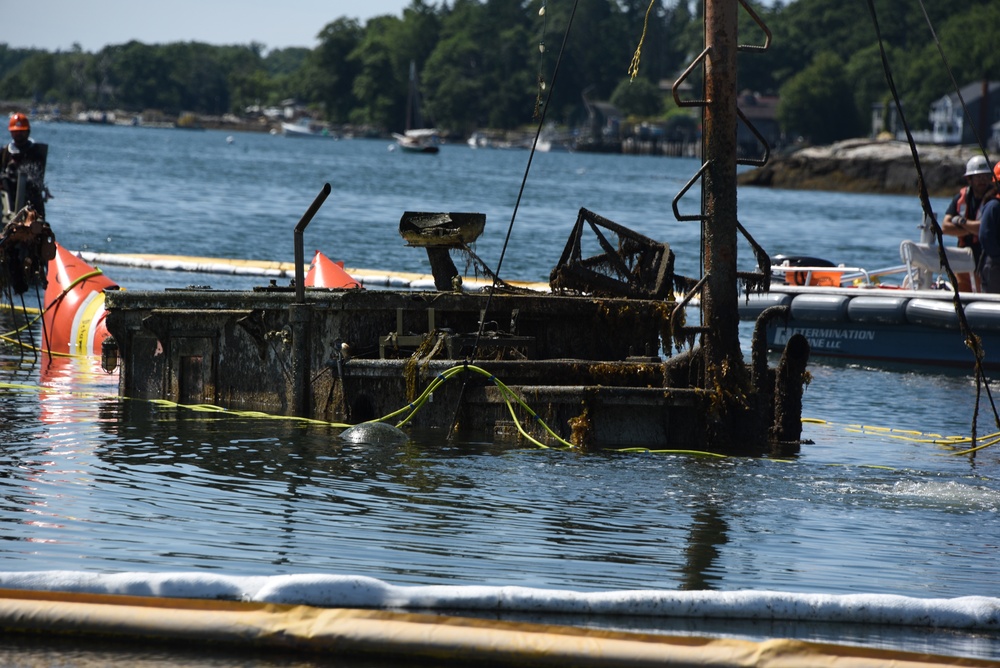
x,y
73,320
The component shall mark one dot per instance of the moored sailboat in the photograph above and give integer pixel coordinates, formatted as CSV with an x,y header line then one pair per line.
x,y
416,138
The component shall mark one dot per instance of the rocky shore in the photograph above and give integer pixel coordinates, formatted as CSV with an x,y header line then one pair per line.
x,y
865,165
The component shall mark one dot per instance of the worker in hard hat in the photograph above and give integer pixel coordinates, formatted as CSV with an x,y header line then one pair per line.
x,y
961,218
23,157
989,228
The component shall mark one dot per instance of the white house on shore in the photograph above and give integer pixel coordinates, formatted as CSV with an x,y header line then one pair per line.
x,y
950,124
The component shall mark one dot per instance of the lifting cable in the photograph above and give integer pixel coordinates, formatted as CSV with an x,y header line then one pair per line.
x,y
971,340
520,192
527,167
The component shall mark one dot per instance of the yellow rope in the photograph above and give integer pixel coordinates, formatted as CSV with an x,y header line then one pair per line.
x,y
23,309
512,400
697,453
914,436
633,68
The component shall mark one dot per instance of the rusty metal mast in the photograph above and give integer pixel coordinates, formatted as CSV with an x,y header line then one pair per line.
x,y
739,396
724,368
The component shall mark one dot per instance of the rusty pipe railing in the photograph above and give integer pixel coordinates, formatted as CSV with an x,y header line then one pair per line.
x,y
299,315
300,278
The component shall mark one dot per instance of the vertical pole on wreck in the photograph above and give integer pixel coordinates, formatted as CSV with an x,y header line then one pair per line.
x,y
300,315
725,372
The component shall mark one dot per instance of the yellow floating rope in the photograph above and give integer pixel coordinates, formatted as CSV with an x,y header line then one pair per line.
x,y
512,401
978,447
29,310
913,436
697,453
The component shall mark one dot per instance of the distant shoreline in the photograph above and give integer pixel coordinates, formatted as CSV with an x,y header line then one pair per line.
x,y
855,165
865,165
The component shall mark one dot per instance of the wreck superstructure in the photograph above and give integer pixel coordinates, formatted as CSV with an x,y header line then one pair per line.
x,y
592,362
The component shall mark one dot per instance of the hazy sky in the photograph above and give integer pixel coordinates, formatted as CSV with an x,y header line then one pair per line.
x,y
58,24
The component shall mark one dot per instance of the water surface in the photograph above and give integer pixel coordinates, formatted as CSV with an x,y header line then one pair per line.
x,y
94,483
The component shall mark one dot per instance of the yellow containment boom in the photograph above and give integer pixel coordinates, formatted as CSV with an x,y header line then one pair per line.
x,y
377,634
279,270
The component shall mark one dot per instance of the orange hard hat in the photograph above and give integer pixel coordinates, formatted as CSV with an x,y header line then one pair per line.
x,y
996,171
18,121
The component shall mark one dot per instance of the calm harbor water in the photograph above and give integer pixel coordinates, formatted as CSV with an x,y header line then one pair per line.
x,y
90,482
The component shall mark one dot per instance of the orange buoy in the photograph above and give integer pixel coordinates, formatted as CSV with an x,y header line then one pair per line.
x,y
73,321
325,273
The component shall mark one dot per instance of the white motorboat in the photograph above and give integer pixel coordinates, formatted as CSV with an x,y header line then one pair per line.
x,y
306,127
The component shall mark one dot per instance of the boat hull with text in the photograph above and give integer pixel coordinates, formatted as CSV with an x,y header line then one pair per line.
x,y
905,314
910,327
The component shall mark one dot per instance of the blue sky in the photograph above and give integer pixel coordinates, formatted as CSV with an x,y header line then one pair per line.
x,y
56,24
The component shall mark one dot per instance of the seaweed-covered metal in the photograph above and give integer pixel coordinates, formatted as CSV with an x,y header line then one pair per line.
x,y
629,264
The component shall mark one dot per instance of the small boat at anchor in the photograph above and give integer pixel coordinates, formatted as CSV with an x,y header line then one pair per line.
x,y
306,127
416,138
423,140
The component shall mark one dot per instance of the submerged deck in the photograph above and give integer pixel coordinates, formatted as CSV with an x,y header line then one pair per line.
x,y
590,368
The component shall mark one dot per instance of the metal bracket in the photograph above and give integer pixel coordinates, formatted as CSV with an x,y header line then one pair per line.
x,y
635,266
398,339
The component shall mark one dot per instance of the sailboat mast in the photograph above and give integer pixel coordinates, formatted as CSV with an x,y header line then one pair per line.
x,y
411,102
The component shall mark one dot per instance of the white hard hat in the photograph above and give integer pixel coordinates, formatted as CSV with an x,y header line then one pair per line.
x,y
977,165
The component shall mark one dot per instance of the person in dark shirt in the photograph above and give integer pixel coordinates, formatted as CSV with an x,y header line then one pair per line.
x,y
961,219
23,157
989,237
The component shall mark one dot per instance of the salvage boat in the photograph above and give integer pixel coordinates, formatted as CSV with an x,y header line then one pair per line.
x,y
905,314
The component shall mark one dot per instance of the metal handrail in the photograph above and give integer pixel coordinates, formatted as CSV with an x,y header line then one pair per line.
x,y
852,272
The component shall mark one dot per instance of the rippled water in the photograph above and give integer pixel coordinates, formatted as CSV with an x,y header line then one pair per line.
x,y
125,485
91,482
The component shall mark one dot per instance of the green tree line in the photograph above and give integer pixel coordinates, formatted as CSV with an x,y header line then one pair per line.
x,y
490,64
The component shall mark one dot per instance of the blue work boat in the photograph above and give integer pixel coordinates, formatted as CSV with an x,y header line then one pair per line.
x,y
906,314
